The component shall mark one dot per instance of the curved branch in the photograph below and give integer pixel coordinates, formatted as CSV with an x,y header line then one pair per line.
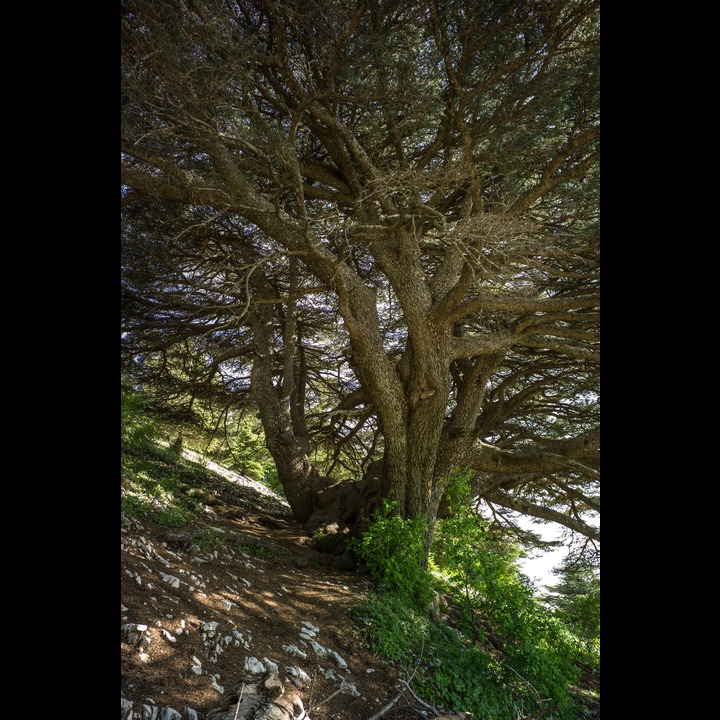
x,y
528,508
488,458
524,305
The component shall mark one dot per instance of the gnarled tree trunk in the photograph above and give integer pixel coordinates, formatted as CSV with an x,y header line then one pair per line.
x,y
284,436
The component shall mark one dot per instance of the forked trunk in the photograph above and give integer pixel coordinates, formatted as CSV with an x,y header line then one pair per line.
x,y
288,444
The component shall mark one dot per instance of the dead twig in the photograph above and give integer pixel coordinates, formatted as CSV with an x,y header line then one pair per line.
x,y
330,697
540,713
237,709
432,708
387,708
312,691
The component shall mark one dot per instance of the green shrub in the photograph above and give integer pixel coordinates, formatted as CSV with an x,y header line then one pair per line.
x,y
464,677
134,506
255,550
445,668
393,549
392,629
480,568
172,516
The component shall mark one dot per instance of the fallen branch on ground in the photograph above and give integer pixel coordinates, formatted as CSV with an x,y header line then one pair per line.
x,y
387,708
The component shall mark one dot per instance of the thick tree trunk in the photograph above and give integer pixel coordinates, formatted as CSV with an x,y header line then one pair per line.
x,y
290,450
410,400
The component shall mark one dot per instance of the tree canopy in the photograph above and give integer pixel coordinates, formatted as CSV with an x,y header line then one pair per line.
x,y
376,224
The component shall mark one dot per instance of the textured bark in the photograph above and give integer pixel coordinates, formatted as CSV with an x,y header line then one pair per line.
x,y
300,480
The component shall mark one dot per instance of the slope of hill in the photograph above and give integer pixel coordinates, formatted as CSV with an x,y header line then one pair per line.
x,y
207,607
201,606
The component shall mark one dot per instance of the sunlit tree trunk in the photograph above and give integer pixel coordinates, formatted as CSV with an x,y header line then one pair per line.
x,y
289,448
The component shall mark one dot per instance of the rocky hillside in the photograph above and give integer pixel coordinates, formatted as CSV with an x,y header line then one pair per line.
x,y
240,598
239,617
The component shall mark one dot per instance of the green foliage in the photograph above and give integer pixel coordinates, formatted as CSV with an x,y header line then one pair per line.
x,y
161,484
481,570
254,550
155,484
248,453
157,487
463,676
576,603
392,628
393,549
271,479
446,668
208,542
455,667
134,506
136,428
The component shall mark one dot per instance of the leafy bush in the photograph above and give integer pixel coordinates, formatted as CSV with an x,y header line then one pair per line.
x,y
445,668
481,570
172,516
454,667
393,549
463,676
392,629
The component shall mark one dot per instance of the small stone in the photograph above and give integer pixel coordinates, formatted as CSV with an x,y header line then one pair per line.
x,y
125,709
294,650
298,674
209,628
254,666
219,688
170,579
170,714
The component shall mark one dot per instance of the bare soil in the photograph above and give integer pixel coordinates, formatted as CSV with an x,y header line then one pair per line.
x,y
263,581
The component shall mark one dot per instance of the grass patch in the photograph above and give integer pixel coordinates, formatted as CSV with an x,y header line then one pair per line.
x,y
157,486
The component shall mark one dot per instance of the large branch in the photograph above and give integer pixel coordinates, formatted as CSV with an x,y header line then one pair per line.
x,y
193,191
528,508
503,303
489,458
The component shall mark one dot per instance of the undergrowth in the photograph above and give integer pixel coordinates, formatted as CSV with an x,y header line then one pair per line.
x,y
493,649
468,634
158,483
